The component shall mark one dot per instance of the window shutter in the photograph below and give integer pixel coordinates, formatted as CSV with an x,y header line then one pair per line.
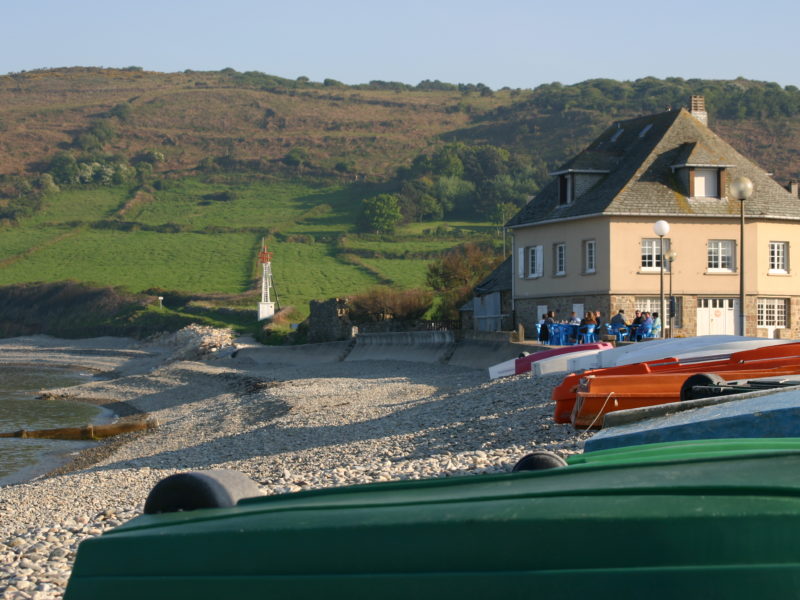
x,y
723,183
521,263
691,183
539,260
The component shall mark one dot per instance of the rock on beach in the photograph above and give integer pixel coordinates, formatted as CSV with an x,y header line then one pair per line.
x,y
289,428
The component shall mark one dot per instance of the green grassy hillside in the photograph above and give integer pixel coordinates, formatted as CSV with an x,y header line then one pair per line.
x,y
185,239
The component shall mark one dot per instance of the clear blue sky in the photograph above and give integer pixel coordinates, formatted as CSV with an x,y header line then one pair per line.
x,y
514,43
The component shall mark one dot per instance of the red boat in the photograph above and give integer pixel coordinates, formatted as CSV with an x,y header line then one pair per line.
x,y
517,366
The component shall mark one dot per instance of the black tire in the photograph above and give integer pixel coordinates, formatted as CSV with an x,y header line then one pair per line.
x,y
200,489
538,461
687,393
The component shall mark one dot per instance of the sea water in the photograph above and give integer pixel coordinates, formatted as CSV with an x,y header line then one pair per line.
x,y
21,409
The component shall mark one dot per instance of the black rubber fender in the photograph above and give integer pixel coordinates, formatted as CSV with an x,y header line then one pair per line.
x,y
219,488
538,461
699,379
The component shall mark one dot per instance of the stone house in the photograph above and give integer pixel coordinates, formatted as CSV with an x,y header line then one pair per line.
x,y
587,240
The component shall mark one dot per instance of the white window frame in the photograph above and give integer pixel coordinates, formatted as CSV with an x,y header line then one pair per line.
x,y
590,256
560,258
651,254
648,303
772,312
718,252
535,261
779,258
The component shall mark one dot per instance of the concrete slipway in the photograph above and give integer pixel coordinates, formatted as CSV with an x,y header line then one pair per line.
x,y
475,350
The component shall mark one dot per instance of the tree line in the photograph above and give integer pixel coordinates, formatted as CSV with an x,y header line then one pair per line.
x,y
736,99
456,181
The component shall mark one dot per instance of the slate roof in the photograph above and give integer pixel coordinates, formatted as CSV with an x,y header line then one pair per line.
x,y
697,154
498,280
640,154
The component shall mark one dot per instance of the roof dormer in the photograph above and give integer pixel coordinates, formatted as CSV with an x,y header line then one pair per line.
x,y
701,173
574,183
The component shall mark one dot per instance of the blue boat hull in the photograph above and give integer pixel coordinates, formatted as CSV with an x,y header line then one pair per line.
x,y
774,415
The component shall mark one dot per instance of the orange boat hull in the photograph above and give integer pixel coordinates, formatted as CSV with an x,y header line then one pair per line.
x,y
565,394
597,396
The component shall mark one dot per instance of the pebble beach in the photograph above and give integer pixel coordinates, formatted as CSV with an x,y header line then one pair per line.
x,y
288,427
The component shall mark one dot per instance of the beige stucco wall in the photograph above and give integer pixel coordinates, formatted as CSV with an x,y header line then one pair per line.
x,y
761,234
573,234
689,238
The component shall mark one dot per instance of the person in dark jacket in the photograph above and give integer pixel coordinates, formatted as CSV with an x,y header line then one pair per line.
x,y
544,329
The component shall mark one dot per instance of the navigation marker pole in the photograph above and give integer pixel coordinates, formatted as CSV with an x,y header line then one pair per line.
x,y
266,308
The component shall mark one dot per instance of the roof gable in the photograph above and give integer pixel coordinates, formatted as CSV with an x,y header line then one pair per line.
x,y
642,156
498,280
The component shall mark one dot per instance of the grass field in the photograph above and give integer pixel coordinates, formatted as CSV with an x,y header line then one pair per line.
x,y
285,207
405,273
395,248
203,238
140,260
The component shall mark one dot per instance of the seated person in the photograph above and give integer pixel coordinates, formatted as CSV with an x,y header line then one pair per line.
x,y
588,319
656,325
637,320
646,326
618,320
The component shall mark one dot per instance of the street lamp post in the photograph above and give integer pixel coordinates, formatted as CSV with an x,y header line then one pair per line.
x,y
661,228
742,189
670,256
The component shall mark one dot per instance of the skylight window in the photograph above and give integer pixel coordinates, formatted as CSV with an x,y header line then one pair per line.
x,y
616,135
644,131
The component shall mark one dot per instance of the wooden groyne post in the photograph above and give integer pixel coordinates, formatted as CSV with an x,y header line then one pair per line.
x,y
87,432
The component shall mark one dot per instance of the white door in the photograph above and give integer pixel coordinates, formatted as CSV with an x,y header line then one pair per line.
x,y
541,309
717,316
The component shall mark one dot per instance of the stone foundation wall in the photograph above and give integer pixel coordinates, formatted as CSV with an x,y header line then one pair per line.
x,y
525,308
685,321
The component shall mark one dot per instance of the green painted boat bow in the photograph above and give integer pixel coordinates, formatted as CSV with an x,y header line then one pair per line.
x,y
723,523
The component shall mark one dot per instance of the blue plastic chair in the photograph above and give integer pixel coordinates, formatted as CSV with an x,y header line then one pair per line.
x,y
644,331
587,334
558,335
619,332
572,335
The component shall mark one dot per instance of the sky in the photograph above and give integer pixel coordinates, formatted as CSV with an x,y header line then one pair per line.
x,y
500,43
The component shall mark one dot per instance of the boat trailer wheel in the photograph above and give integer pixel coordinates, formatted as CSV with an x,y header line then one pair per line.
x,y
539,460
220,488
699,379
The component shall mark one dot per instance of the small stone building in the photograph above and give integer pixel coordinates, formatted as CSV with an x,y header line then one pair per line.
x,y
490,307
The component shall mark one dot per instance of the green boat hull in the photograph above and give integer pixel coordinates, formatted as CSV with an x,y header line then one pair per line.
x,y
716,527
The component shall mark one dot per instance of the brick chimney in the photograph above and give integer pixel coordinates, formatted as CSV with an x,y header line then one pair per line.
x,y
698,109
